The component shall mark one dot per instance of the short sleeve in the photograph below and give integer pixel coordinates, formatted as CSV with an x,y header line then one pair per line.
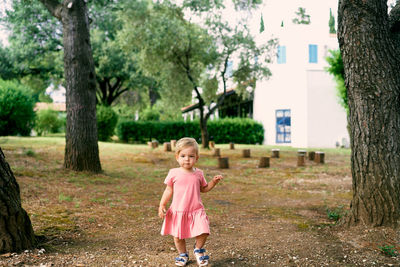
x,y
203,181
168,180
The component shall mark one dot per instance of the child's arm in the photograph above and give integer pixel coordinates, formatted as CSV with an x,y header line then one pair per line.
x,y
164,200
211,184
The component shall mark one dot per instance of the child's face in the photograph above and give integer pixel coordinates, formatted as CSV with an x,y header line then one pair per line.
x,y
187,157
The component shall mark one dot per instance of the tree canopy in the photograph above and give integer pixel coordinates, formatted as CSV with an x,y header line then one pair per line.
x,y
194,58
36,50
336,68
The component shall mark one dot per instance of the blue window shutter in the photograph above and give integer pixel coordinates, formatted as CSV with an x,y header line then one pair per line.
x,y
229,69
312,53
281,54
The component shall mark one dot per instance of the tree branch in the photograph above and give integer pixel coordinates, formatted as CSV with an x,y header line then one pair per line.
x,y
54,7
120,92
222,97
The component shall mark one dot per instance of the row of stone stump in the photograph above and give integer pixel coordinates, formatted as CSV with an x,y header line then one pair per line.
x,y
316,156
223,162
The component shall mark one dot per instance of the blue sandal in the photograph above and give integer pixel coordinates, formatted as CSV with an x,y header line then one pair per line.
x,y
201,260
182,259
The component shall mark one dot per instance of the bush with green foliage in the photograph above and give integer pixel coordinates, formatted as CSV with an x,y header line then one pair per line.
x,y
237,130
125,112
47,121
150,114
16,109
336,68
107,119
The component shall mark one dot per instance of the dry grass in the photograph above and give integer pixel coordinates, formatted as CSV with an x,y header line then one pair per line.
x,y
276,216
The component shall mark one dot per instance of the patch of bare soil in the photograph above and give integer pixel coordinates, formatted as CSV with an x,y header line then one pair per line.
x,y
279,216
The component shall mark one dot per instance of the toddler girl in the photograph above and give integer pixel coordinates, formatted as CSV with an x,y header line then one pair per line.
x,y
186,216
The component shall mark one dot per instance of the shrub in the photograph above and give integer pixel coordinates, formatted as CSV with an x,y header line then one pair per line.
x,y
125,112
237,130
47,121
336,213
16,109
388,250
150,114
106,121
242,131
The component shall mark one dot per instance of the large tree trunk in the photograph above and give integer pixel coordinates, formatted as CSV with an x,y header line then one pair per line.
x,y
81,149
203,125
371,56
16,231
204,133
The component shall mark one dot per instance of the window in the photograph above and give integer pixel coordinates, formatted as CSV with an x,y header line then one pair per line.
x,y
312,53
281,54
283,126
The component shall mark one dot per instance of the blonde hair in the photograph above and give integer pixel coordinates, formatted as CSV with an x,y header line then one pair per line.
x,y
184,143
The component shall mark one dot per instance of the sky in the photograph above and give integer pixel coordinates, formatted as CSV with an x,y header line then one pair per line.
x,y
273,11
3,33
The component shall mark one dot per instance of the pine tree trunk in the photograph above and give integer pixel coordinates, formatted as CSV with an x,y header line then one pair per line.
x,y
204,134
371,61
81,149
16,231
203,126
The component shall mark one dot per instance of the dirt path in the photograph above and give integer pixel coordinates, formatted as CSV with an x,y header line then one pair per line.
x,y
259,217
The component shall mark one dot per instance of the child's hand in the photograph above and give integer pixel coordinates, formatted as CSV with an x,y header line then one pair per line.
x,y
161,212
217,178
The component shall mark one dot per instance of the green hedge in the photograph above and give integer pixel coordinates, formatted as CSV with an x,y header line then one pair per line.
x,y
47,121
16,109
107,119
237,130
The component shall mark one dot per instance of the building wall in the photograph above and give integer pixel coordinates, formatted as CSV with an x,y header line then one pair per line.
x,y
317,119
327,122
282,93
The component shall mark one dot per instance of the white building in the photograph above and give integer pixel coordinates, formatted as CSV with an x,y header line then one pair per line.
x,y
298,105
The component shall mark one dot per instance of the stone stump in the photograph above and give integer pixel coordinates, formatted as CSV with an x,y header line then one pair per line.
x,y
319,157
300,160
173,144
211,144
167,146
246,153
223,163
302,152
231,145
264,162
311,155
275,153
154,144
217,152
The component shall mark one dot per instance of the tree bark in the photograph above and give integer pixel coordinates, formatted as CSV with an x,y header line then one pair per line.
x,y
16,231
371,55
204,133
81,149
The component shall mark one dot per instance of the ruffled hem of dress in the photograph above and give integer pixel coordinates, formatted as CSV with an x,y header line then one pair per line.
x,y
185,224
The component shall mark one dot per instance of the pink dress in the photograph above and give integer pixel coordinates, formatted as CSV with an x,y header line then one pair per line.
x,y
186,216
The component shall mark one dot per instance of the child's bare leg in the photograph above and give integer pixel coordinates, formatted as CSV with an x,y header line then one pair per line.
x,y
180,245
201,240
